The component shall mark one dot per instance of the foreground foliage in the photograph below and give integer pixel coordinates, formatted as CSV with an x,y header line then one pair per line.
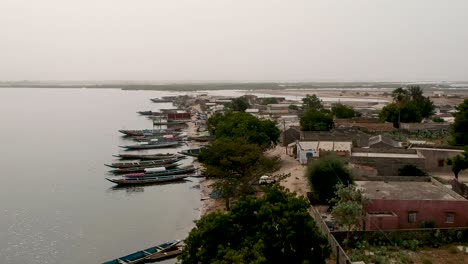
x,y
324,174
236,165
458,163
273,229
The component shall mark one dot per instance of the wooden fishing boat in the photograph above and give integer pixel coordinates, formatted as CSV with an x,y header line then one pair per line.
x,y
149,163
192,152
147,132
142,255
168,137
159,156
142,168
147,180
155,145
158,172
168,123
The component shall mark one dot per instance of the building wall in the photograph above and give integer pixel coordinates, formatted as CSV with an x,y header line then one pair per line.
x,y
427,210
435,158
388,166
304,157
387,221
290,135
424,126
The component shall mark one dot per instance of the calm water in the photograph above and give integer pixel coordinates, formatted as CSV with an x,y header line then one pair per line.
x,y
55,205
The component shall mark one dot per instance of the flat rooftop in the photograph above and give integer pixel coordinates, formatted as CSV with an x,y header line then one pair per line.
x,y
405,191
385,155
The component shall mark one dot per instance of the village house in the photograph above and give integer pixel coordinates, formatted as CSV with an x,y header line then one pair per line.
x,y
307,150
372,125
405,205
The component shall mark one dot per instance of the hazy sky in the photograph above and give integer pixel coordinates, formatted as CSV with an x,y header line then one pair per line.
x,y
240,40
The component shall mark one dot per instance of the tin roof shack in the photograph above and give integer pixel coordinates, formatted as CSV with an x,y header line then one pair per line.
x,y
359,138
307,150
387,162
383,142
404,205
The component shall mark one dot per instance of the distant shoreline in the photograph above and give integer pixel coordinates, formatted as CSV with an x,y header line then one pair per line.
x,y
236,86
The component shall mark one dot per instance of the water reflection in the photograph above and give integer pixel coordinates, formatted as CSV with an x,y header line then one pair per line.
x,y
132,189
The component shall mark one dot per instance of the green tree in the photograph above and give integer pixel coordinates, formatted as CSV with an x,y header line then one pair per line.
x,y
244,125
235,165
458,163
269,100
293,107
340,110
459,128
411,170
314,120
239,104
312,102
276,228
408,106
348,208
325,173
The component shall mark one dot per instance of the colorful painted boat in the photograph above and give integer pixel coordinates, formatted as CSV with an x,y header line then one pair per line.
x,y
159,156
147,132
158,172
142,169
142,255
192,152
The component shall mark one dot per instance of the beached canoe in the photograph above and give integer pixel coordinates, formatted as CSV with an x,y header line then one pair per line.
x,y
149,163
191,152
147,132
142,169
159,156
155,145
142,255
147,180
159,172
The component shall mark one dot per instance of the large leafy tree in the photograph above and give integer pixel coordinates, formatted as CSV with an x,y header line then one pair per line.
x,y
459,162
273,229
314,120
312,102
325,173
348,208
235,165
239,104
243,125
343,111
408,106
459,129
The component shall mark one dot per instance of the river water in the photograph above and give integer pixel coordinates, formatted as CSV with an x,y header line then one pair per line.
x,y
55,204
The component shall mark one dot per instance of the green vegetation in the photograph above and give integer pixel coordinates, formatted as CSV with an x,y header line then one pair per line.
x,y
324,174
437,119
269,100
293,107
340,110
458,163
411,170
236,165
348,208
460,126
239,104
243,125
312,102
314,120
273,229
408,106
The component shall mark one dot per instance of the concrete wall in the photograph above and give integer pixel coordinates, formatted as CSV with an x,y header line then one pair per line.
x,y
382,221
426,210
424,126
435,158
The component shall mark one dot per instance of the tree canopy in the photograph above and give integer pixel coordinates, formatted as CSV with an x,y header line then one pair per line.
x,y
236,165
340,110
408,106
325,173
314,120
312,102
459,129
458,163
239,104
244,125
348,208
273,229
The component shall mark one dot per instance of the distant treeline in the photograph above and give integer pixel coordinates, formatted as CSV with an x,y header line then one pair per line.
x,y
223,86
